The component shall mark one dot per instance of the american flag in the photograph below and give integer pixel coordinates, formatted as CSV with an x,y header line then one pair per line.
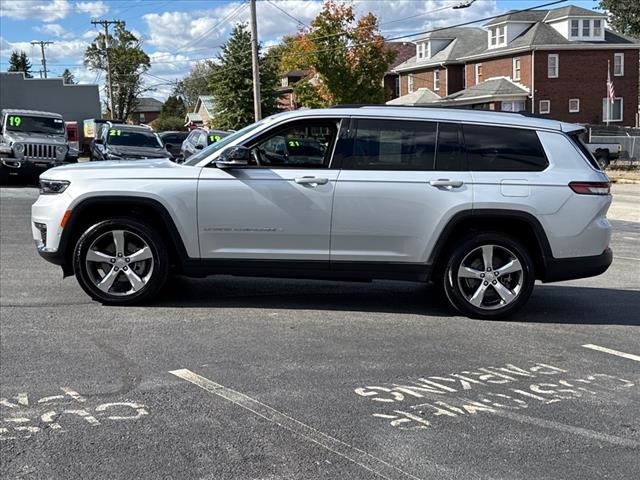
x,y
611,93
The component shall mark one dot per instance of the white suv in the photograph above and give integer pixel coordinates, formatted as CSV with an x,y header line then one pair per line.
x,y
482,203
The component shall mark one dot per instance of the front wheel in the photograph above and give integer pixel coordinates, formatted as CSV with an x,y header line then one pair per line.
x,y
121,262
489,276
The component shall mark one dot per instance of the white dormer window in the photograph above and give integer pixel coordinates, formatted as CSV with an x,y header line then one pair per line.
x,y
497,36
423,50
586,29
284,82
575,28
597,28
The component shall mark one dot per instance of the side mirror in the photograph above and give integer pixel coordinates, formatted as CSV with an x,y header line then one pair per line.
x,y
199,147
234,157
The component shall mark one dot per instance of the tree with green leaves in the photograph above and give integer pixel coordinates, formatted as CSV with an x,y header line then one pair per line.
x,y
171,115
231,83
194,84
624,15
67,77
347,58
19,62
173,107
128,63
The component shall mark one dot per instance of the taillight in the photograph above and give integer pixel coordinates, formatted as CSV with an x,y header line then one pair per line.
x,y
591,188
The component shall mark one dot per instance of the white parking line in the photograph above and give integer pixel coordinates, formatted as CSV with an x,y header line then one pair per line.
x,y
626,258
630,356
365,460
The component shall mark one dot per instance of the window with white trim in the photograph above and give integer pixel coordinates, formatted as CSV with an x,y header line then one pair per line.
x,y
516,68
423,50
612,112
478,69
513,106
544,106
552,65
497,36
436,79
618,64
575,28
574,105
597,28
410,82
586,29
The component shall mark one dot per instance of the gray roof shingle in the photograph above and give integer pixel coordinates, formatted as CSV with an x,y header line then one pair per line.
x,y
573,11
493,87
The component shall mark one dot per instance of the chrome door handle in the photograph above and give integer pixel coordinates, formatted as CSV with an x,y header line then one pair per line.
x,y
446,183
312,181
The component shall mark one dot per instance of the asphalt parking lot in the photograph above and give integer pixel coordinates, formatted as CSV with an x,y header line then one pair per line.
x,y
230,378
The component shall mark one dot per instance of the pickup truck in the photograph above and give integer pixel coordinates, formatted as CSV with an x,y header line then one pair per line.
x,y
604,152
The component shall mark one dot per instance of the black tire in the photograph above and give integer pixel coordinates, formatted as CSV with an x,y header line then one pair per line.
x,y
124,280
477,290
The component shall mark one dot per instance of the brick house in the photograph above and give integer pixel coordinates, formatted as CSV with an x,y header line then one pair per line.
x,y
286,96
391,81
146,111
547,62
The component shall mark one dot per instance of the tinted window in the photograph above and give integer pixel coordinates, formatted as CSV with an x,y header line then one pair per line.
x,y
133,139
392,145
503,149
449,155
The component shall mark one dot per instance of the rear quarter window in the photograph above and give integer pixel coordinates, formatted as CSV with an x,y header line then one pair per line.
x,y
505,149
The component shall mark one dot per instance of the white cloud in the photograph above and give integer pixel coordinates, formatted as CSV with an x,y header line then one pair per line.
x,y
93,9
54,29
43,10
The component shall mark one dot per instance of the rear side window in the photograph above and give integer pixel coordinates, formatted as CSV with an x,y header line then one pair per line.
x,y
578,139
492,149
450,155
392,145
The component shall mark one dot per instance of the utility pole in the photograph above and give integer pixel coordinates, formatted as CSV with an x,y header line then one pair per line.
x,y
257,104
105,24
43,44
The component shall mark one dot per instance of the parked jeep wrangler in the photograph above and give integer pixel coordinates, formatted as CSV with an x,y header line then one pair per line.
x,y
31,142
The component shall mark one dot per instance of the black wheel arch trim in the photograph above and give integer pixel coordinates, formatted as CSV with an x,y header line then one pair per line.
x,y
493,214
63,258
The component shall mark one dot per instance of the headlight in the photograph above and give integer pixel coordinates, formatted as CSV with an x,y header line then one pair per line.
x,y
48,187
61,148
18,147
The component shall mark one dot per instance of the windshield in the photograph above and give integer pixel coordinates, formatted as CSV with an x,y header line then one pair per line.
x,y
133,139
223,142
32,124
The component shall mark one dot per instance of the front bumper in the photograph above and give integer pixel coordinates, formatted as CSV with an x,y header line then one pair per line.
x,y
18,166
559,269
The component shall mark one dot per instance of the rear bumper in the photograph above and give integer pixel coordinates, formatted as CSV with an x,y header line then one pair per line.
x,y
559,269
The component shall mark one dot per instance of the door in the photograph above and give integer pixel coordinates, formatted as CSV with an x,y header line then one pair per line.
x,y
401,183
277,208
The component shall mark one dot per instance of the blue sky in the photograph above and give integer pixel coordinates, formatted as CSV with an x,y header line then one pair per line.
x,y
178,33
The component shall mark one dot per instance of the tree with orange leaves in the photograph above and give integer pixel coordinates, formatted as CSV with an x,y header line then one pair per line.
x,y
346,57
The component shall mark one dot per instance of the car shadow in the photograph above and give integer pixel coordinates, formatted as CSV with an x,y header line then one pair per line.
x,y
558,303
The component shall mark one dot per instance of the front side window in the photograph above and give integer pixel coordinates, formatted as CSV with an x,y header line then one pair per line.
x,y
392,145
552,65
612,112
618,64
304,144
436,79
503,149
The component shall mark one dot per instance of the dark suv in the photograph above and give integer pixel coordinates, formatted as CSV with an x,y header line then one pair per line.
x,y
127,142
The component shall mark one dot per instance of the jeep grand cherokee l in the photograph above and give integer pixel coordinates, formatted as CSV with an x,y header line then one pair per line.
x,y
482,203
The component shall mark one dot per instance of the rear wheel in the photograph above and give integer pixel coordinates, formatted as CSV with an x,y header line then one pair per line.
x,y
121,262
489,276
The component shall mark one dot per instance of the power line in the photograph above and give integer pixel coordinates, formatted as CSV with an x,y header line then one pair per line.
x,y
295,19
